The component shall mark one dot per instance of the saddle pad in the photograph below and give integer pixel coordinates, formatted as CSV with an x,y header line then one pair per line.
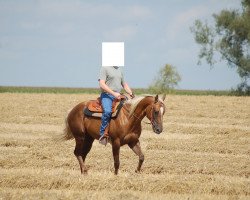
x,y
90,113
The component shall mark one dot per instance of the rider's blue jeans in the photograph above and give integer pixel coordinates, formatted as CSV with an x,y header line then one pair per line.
x,y
107,100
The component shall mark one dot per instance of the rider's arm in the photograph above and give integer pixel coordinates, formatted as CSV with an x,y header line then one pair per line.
x,y
127,89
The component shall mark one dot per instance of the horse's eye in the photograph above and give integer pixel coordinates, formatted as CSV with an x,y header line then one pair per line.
x,y
156,112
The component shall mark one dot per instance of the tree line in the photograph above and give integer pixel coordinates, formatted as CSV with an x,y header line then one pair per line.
x,y
228,37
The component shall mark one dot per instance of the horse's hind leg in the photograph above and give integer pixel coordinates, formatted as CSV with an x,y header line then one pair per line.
x,y
78,152
83,146
137,150
87,145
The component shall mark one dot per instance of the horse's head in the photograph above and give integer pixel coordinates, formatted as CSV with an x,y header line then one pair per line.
x,y
155,113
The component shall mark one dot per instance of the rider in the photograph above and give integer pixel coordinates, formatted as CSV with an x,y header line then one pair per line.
x,y
111,82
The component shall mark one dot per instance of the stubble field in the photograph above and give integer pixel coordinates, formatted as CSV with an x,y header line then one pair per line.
x,y
203,152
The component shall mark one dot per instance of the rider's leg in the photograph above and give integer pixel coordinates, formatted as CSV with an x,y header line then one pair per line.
x,y
107,100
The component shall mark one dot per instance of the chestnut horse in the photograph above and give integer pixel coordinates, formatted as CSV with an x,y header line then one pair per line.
x,y
126,128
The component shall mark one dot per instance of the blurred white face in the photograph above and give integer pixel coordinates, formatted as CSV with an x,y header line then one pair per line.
x,y
112,54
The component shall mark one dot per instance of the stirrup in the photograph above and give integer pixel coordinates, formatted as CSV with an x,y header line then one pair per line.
x,y
103,140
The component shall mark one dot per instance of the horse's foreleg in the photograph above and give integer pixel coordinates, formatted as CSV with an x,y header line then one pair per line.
x,y
116,151
137,150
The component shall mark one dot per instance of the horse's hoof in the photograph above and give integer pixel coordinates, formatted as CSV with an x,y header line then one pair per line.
x,y
84,172
137,171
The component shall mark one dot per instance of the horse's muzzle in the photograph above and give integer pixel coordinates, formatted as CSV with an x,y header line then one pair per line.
x,y
157,129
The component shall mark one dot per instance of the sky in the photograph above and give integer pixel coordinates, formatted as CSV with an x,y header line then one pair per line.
x,y
58,43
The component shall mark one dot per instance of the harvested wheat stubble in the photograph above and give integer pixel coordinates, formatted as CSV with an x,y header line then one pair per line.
x,y
203,153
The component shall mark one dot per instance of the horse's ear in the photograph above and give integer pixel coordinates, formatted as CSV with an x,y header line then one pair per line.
x,y
163,96
156,98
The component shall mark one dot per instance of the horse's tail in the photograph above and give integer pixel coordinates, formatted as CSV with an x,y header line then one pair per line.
x,y
67,133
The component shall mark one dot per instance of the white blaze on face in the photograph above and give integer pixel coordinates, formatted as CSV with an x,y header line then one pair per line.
x,y
161,112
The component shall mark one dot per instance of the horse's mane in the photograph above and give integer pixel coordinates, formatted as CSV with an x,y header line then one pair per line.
x,y
134,102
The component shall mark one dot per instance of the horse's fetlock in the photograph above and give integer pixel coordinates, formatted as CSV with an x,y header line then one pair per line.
x,y
141,158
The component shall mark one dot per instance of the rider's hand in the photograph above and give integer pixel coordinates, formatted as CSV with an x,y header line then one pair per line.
x,y
117,95
132,95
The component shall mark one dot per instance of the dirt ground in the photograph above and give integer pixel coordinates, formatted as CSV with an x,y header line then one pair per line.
x,y
203,153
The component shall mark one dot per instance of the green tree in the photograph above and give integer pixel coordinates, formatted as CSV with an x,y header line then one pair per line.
x,y
229,37
166,80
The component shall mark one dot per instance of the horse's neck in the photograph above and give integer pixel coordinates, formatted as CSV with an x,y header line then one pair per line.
x,y
139,112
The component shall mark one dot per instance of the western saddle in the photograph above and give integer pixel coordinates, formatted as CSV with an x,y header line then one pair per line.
x,y
96,105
